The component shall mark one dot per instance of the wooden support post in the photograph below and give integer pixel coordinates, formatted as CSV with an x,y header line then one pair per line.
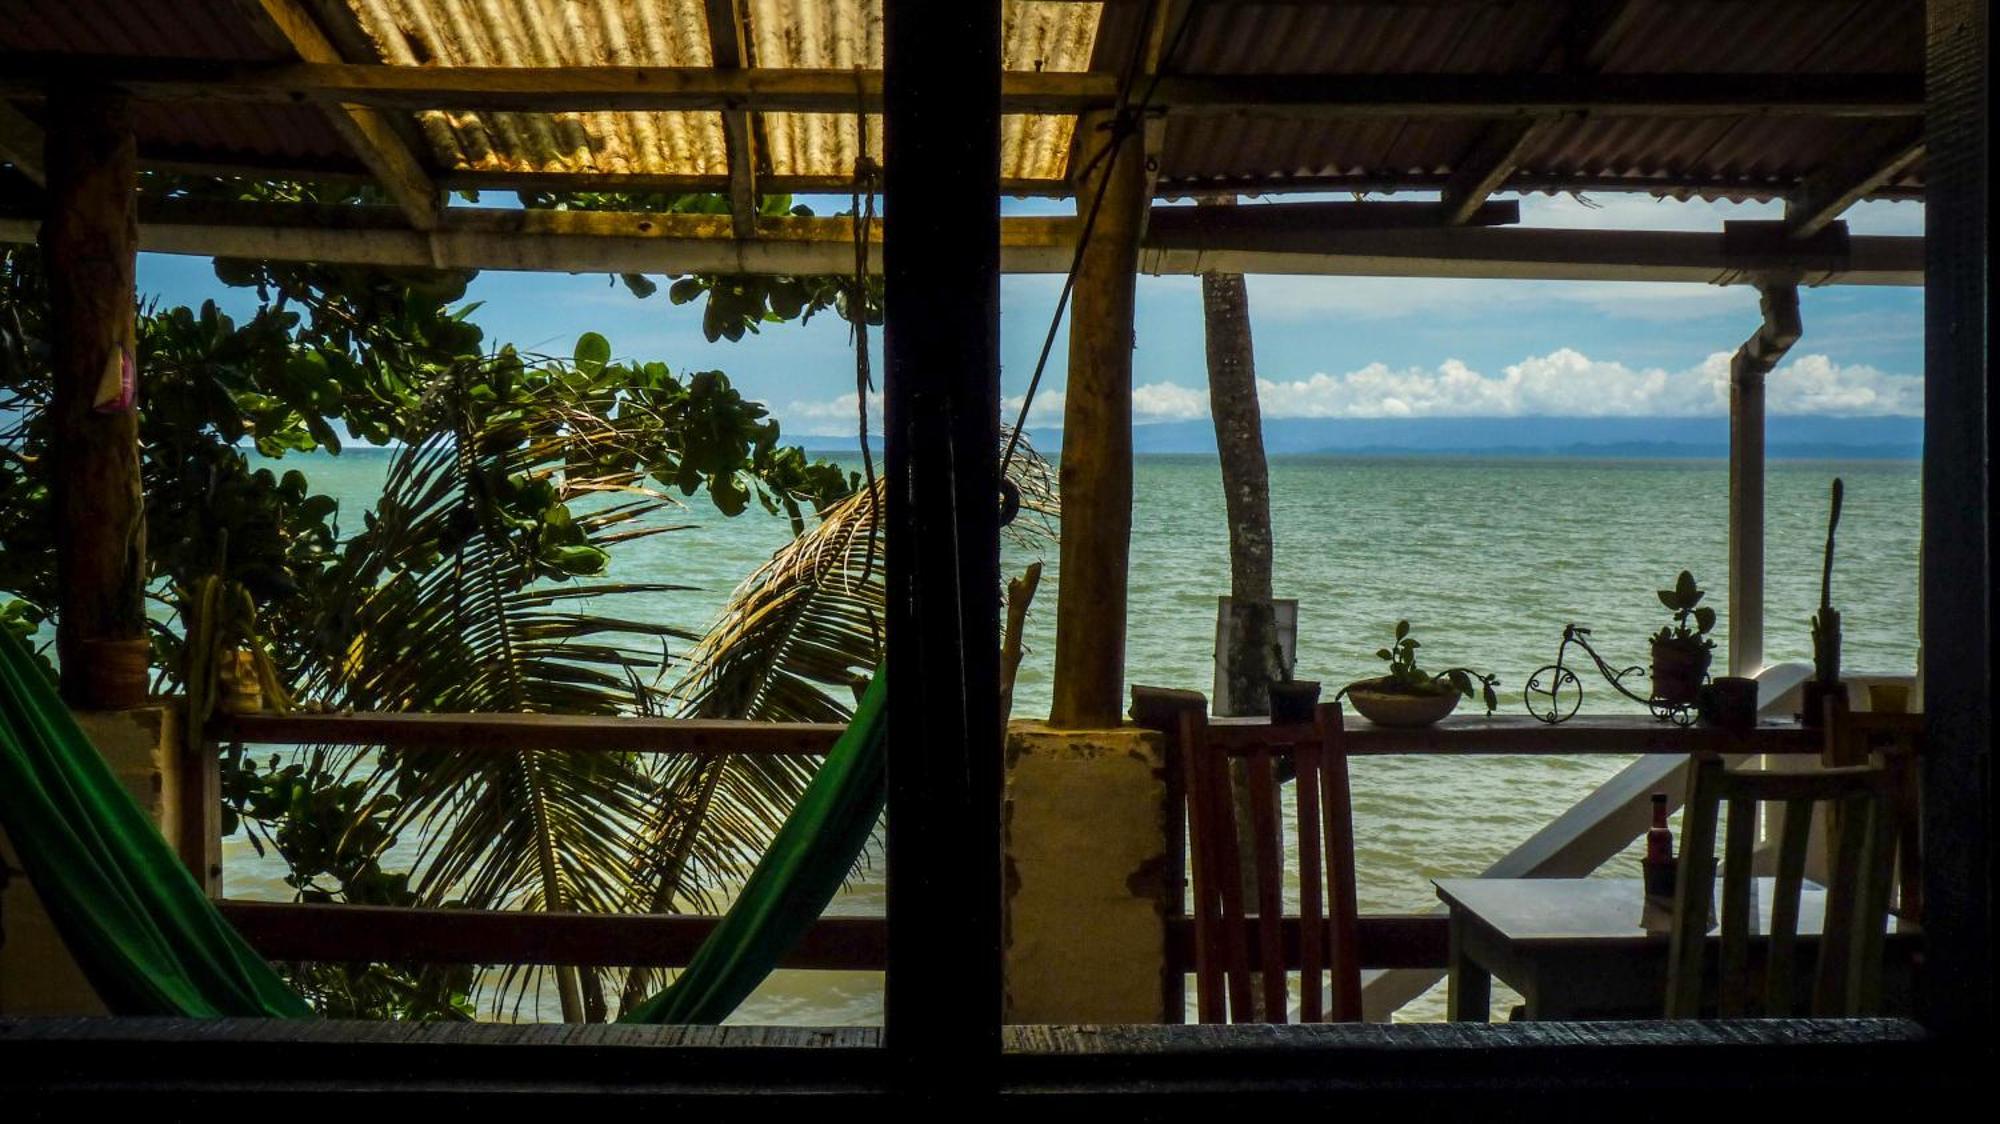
x,y
1097,441
198,811
1956,991
941,399
1747,368
89,246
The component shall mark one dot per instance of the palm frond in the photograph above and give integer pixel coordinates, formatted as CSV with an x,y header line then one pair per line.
x,y
472,560
795,643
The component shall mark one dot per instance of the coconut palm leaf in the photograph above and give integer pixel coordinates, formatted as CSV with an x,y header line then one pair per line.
x,y
474,563
795,643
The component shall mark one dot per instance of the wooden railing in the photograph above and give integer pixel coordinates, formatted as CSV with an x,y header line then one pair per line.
x,y
320,932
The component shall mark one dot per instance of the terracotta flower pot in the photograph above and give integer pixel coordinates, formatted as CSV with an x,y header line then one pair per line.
x,y
1678,671
1395,708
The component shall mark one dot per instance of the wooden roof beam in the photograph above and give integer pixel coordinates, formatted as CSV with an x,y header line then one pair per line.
x,y
289,26
21,144
1494,157
761,89
1827,194
728,51
1583,41
1269,238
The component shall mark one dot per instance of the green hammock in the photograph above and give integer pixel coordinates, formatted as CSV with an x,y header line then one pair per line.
x,y
805,865
151,943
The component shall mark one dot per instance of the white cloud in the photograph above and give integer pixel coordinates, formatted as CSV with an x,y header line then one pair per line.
x,y
829,416
1563,383
1817,385
1567,383
1287,299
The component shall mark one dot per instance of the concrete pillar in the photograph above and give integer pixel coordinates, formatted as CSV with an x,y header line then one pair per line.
x,y
1090,880
37,974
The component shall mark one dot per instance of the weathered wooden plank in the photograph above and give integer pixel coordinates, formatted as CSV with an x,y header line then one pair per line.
x,y
1491,159
507,733
1519,734
727,51
1828,193
569,241
366,130
659,88
359,933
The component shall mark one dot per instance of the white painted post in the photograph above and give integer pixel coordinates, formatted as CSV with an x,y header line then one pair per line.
x,y
1747,369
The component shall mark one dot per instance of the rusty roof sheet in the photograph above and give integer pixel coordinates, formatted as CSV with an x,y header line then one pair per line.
x,y
1733,156
1723,155
778,34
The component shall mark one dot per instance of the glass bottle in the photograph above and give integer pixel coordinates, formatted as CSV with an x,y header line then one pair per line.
x,y
1659,839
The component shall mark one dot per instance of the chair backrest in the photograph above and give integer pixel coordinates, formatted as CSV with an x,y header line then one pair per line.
x,y
1847,979
1241,947
1896,742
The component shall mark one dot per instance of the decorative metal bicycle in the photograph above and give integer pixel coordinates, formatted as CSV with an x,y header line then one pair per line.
x,y
1554,692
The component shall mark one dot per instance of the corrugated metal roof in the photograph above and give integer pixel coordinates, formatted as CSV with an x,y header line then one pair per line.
x,y
1722,155
528,33
215,132
779,34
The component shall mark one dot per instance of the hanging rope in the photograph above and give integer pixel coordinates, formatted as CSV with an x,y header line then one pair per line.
x,y
1125,117
863,222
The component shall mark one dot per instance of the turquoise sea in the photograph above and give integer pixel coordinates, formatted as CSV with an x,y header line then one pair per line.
x,y
1487,558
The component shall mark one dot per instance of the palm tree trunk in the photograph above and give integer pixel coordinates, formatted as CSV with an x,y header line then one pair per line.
x,y
1250,661
1249,664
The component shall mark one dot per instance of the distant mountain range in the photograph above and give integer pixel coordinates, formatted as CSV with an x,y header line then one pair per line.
x,y
1786,438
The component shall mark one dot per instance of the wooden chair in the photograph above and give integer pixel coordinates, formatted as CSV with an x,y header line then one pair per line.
x,y
1241,947
1896,742
1848,977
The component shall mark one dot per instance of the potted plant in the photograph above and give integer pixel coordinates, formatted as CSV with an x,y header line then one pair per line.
x,y
1825,682
1682,650
1410,696
1292,700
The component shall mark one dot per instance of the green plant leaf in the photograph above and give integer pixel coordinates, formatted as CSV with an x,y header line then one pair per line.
x,y
593,352
1402,629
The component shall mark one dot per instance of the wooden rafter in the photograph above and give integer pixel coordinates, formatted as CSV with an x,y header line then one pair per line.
x,y
1826,194
1493,158
288,25
1267,238
728,51
21,144
1582,43
601,88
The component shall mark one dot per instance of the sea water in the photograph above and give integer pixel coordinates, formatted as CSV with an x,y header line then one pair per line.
x,y
1487,559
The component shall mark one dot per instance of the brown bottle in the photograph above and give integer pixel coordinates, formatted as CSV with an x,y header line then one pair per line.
x,y
1659,840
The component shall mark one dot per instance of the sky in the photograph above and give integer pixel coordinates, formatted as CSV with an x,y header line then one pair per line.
x,y
1346,347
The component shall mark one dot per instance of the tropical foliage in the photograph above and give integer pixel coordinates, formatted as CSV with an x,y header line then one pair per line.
x,y
480,581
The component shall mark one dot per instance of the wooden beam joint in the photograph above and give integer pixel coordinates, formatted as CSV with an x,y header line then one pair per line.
x,y
287,25
729,51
